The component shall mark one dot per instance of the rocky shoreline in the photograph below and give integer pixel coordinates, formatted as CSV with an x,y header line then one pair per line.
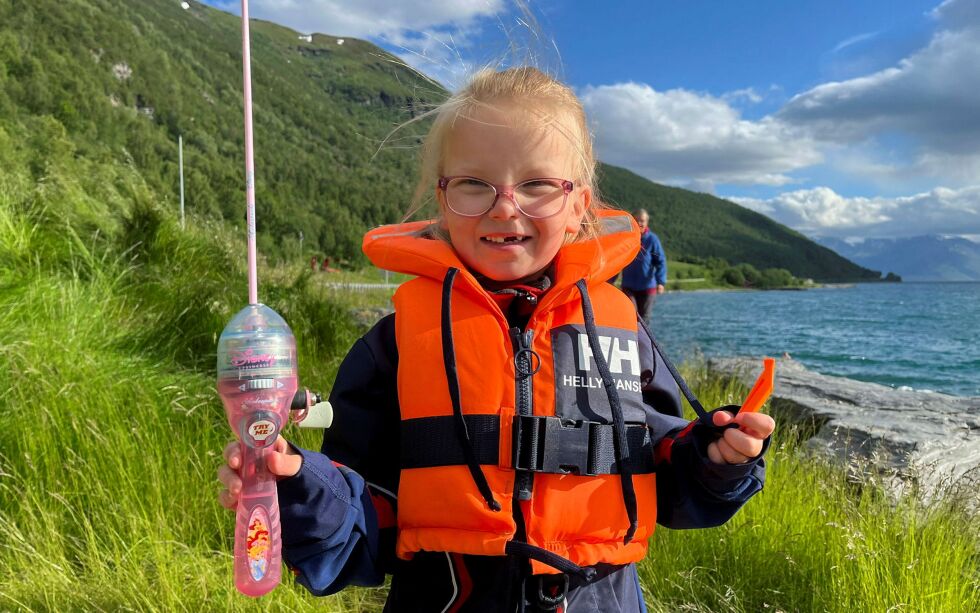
x,y
922,438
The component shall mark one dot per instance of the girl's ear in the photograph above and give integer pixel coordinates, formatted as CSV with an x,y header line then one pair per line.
x,y
579,204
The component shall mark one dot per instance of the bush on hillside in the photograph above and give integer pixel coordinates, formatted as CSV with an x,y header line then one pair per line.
x,y
751,275
733,276
777,277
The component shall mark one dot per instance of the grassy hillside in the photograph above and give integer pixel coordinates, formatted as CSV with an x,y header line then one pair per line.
x,y
112,427
124,79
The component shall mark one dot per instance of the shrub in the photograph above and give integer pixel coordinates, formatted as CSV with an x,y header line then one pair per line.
x,y
733,276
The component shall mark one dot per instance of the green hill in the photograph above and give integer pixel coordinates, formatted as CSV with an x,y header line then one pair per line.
x,y
118,82
126,78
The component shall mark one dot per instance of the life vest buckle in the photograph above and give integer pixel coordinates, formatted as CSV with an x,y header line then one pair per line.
x,y
551,591
549,445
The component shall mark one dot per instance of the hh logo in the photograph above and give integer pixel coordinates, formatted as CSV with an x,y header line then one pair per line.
x,y
618,352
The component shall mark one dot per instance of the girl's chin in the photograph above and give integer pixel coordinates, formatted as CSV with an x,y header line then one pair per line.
x,y
510,274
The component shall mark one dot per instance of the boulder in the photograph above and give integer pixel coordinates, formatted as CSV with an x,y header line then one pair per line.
x,y
924,438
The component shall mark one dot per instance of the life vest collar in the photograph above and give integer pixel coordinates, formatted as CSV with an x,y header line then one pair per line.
x,y
411,248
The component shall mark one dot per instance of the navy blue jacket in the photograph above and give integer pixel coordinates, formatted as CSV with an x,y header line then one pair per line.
x,y
338,511
649,268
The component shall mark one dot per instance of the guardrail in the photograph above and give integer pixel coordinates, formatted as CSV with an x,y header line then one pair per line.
x,y
361,287
367,287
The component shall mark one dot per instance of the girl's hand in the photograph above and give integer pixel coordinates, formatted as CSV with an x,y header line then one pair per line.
x,y
282,462
739,445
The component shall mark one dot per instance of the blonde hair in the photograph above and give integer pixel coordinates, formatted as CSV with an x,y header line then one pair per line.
x,y
546,98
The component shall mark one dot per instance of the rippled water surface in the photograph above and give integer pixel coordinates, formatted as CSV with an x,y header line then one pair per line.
x,y
921,335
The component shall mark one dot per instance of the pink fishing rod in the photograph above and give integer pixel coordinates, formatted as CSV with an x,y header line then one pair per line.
x,y
257,382
253,276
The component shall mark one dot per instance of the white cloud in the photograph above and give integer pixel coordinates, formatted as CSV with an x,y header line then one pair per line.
x,y
683,137
931,96
844,44
821,211
913,124
748,95
431,34
369,18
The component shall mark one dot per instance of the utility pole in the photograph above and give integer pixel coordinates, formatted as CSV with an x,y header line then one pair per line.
x,y
300,243
180,156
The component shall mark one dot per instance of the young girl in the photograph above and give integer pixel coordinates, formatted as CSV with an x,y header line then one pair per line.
x,y
524,417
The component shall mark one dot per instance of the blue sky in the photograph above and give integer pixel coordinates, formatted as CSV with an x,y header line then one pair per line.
x,y
836,117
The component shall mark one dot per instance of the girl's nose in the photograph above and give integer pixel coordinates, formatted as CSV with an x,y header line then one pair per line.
x,y
504,207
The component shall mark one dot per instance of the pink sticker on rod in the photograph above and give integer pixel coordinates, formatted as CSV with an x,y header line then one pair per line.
x,y
257,543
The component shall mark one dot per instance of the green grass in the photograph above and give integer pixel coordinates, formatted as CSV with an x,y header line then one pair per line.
x,y
112,432
112,428
814,540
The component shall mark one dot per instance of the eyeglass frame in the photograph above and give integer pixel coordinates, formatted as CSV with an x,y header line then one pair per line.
x,y
507,190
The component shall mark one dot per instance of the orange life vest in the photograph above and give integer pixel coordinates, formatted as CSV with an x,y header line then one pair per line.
x,y
572,507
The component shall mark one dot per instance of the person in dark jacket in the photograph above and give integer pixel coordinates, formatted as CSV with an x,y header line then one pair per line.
x,y
645,276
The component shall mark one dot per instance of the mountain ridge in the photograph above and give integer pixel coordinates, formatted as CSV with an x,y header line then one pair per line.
x,y
126,79
915,258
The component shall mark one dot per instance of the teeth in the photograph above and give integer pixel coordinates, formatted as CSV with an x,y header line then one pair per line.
x,y
502,239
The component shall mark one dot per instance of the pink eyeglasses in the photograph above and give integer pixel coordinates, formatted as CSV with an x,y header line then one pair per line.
x,y
537,198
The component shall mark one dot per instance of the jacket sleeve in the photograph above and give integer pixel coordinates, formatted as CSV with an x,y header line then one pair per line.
x,y
692,491
659,260
338,511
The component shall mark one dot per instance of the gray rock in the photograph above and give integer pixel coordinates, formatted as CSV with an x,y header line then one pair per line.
x,y
924,438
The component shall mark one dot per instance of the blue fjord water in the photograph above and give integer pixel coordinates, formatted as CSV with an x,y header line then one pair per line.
x,y
925,336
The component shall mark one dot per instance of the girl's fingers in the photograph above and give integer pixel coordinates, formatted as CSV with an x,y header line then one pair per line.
x,y
227,500
230,479
758,425
713,454
721,418
228,497
281,445
743,443
283,461
284,464
730,455
233,455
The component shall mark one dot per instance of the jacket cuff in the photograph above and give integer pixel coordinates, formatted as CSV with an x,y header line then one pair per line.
x,y
319,490
315,470
722,480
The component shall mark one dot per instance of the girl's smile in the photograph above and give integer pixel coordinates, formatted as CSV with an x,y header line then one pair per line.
x,y
504,240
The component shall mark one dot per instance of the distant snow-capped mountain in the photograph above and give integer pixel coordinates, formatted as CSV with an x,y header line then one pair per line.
x,y
916,258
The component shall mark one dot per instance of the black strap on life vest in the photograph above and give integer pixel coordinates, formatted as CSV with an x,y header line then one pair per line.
x,y
619,432
704,417
449,358
539,444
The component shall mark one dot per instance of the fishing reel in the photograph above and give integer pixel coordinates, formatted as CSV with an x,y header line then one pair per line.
x,y
309,410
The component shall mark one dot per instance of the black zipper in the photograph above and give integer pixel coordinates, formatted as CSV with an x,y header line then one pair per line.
x,y
524,482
